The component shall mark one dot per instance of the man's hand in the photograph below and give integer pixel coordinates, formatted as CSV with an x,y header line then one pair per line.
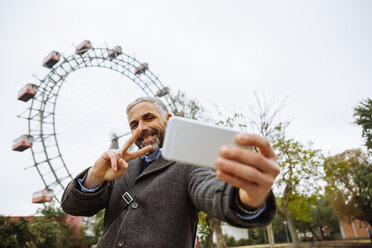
x,y
113,163
253,173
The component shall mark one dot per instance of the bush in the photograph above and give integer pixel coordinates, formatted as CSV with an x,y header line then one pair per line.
x,y
230,241
47,231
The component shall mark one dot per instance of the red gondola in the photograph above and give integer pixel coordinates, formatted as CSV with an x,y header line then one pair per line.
x,y
23,142
162,92
83,47
27,92
116,51
141,69
52,59
45,195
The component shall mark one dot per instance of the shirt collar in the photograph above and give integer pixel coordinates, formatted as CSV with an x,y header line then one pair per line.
x,y
153,156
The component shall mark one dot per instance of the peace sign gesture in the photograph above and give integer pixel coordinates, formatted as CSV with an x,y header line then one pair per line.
x,y
113,163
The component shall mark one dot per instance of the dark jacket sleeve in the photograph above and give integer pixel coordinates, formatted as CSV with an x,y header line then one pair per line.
x,y
217,198
78,203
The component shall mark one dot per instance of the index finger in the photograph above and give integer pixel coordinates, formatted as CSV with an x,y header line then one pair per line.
x,y
257,141
131,140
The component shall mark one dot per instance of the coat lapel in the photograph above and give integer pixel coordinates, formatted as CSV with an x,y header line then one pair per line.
x,y
154,167
132,174
133,171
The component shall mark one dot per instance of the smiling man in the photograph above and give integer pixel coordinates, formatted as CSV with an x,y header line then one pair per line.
x,y
147,117
152,202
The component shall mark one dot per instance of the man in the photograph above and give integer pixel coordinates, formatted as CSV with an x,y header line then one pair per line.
x,y
164,211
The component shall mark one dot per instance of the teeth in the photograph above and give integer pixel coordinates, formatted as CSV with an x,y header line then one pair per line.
x,y
147,137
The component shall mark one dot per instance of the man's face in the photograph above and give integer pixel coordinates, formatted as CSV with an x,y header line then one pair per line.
x,y
144,115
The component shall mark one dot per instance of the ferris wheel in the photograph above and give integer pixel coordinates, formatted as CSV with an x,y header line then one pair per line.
x,y
55,131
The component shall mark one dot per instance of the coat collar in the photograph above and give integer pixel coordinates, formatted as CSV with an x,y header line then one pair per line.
x,y
134,167
156,166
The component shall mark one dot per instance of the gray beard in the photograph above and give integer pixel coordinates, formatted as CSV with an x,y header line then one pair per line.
x,y
155,145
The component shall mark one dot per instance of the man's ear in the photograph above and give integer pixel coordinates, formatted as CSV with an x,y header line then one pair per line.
x,y
169,115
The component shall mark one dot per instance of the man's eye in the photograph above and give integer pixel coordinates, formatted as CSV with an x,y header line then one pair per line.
x,y
133,126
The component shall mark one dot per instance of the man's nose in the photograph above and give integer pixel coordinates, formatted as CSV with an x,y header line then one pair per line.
x,y
142,125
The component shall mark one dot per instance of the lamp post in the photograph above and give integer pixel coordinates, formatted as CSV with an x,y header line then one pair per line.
x,y
286,232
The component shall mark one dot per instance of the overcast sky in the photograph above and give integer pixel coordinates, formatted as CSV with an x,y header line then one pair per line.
x,y
315,54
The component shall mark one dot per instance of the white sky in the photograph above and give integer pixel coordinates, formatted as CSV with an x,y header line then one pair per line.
x,y
317,54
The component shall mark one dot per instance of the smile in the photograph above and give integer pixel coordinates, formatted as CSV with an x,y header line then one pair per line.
x,y
147,138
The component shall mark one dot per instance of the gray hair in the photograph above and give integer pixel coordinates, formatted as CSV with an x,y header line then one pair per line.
x,y
159,105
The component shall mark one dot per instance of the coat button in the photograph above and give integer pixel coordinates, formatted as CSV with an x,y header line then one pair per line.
x,y
120,243
134,205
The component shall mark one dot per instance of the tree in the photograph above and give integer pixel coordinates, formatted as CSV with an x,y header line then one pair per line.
x,y
187,107
363,177
322,216
45,232
52,230
280,229
49,230
14,233
260,117
295,187
363,118
206,238
349,184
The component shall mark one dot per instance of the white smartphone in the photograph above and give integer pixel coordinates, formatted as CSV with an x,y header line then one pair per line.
x,y
192,142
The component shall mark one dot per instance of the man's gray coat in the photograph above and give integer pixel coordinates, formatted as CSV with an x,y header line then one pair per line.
x,y
165,213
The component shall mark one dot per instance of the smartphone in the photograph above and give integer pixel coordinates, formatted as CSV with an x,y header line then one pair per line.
x,y
192,142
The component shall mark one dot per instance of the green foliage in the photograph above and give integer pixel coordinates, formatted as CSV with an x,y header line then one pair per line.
x,y
69,238
348,189
48,230
363,177
279,229
363,118
258,234
230,241
98,227
49,211
45,232
297,185
323,215
51,230
14,233
300,206
203,228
